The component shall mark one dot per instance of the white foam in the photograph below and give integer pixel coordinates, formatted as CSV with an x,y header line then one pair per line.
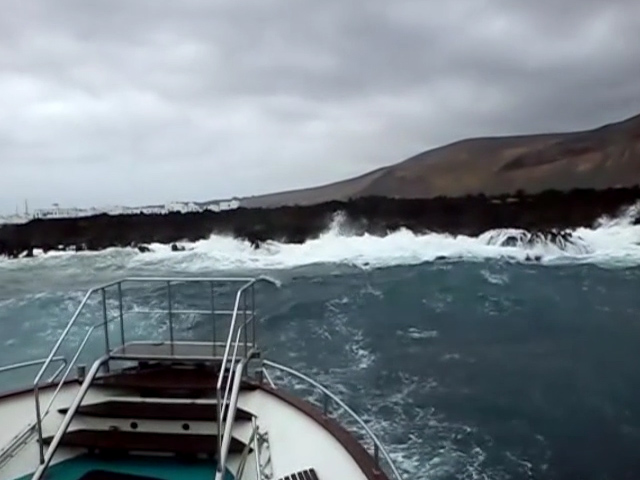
x,y
418,334
496,279
611,241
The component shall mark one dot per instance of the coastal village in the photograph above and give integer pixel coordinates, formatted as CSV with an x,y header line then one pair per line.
x,y
56,211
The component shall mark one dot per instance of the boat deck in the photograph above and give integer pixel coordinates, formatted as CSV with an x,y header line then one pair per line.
x,y
116,421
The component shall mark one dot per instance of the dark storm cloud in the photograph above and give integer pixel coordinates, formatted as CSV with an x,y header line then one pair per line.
x,y
120,101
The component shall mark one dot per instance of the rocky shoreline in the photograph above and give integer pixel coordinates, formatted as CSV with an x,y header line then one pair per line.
x,y
547,215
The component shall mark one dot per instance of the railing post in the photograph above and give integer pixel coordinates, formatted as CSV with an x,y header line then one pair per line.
x,y
36,391
220,428
376,455
106,328
244,324
253,315
121,313
170,315
66,421
325,404
213,318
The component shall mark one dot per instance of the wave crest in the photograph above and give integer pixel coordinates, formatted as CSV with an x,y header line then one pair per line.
x,y
612,241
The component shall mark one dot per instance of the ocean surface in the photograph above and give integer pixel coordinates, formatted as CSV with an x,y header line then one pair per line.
x,y
468,360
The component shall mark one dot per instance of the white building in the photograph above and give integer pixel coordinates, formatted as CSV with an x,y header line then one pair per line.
x,y
224,205
229,204
182,207
60,212
152,210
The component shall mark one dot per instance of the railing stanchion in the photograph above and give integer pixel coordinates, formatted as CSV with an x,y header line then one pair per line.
x,y
39,424
234,373
244,323
66,421
213,317
253,313
170,313
220,428
106,328
121,313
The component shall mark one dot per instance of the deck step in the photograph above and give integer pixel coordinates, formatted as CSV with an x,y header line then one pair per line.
x,y
308,474
155,411
117,441
169,381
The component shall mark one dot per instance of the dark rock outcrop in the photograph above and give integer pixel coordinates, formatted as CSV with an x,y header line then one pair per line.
x,y
177,248
546,215
563,239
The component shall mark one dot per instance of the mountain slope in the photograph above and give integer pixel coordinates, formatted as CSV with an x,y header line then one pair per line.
x,y
608,156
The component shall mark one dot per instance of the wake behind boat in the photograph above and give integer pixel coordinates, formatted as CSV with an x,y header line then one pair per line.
x,y
168,408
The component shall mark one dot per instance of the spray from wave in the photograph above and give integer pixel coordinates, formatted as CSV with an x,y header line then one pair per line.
x,y
612,241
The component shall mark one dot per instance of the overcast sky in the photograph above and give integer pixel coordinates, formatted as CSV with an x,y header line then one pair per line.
x,y
145,101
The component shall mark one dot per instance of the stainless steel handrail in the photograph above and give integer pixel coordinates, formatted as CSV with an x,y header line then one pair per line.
x,y
91,291
63,335
223,440
32,363
256,447
244,456
32,425
39,415
234,357
73,361
378,447
222,402
102,288
58,371
236,344
228,423
186,312
68,417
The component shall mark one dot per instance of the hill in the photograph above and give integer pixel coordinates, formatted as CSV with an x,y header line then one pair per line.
x,y
605,157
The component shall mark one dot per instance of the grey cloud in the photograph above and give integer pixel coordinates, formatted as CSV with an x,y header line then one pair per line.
x,y
135,102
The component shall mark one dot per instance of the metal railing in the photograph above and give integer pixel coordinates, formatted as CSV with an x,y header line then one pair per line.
x,y
226,426
244,456
28,430
256,448
71,364
33,363
239,348
169,283
86,384
378,448
226,403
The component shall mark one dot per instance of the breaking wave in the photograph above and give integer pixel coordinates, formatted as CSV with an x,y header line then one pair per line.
x,y
612,241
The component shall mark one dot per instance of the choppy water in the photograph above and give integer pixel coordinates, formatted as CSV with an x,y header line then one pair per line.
x,y
478,365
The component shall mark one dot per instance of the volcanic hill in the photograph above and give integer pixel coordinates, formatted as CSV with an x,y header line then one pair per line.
x,y
605,157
